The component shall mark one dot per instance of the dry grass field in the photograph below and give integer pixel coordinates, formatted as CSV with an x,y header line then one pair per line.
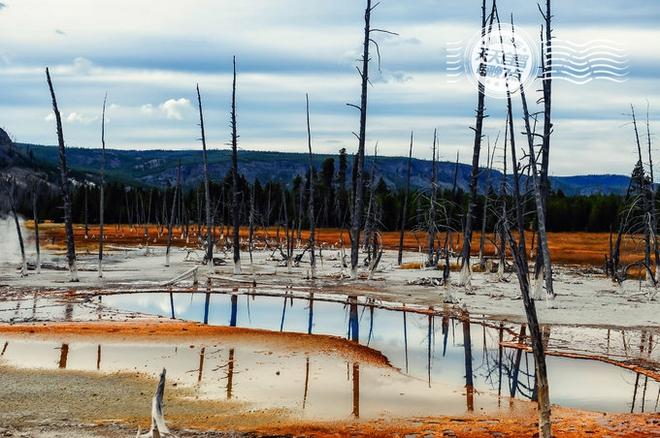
x,y
569,248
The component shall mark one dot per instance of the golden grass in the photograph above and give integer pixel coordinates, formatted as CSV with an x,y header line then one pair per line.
x,y
578,248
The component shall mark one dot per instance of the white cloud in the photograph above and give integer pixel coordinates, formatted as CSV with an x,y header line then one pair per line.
x,y
147,109
50,117
75,117
82,66
175,108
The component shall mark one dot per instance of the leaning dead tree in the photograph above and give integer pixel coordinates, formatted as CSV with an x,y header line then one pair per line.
x,y
312,217
207,190
358,196
236,191
537,189
158,427
102,190
404,206
466,269
64,187
518,251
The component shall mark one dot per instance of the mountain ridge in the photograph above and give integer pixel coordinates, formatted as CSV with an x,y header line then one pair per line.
x,y
157,167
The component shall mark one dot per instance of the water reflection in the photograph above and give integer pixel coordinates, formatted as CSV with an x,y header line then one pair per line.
x,y
467,348
64,355
407,339
356,389
230,373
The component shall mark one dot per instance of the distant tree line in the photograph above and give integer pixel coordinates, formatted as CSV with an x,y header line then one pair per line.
x,y
332,184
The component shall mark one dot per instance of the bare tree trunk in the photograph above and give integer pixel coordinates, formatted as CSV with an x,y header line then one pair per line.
x,y
35,217
102,190
288,231
501,228
301,196
484,217
312,243
358,206
234,173
546,68
170,224
64,187
9,186
538,196
616,252
147,218
86,193
207,190
369,226
466,270
404,206
450,216
646,204
654,216
251,223
431,220
522,270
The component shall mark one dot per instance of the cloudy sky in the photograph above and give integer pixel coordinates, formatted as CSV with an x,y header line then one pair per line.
x,y
148,55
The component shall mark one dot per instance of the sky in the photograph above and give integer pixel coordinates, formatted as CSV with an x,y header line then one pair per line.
x,y
148,56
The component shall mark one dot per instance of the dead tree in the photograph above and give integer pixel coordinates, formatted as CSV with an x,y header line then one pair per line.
x,y
288,230
501,230
653,212
466,269
646,188
546,75
522,271
358,198
538,196
102,190
9,185
158,427
431,227
64,187
358,206
207,190
236,193
312,259
251,219
484,217
404,206
449,217
86,207
35,218
170,224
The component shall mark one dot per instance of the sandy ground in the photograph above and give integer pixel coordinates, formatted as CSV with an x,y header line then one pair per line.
x,y
43,404
50,403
